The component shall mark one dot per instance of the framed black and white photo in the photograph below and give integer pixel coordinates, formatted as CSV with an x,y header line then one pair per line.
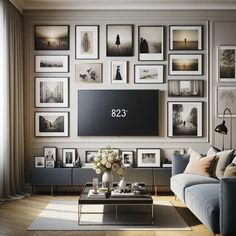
x,y
51,64
50,153
148,157
88,73
185,88
50,164
39,162
86,42
151,43
185,64
226,64
119,40
148,74
127,158
186,37
68,157
118,72
51,92
51,124
89,157
185,119
52,37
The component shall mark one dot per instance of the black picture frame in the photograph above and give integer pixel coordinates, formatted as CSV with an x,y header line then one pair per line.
x,y
64,157
54,155
86,162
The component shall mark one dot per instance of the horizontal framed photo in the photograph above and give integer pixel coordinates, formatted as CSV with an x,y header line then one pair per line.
x,y
68,157
127,158
185,119
185,64
89,158
148,74
118,72
52,37
51,92
115,150
50,153
51,64
185,88
148,157
186,37
39,162
51,124
50,164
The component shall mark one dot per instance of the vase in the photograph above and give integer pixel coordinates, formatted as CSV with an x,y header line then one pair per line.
x,y
107,179
122,183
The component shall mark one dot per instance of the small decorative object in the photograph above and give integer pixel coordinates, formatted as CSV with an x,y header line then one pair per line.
x,y
68,155
118,72
148,158
39,162
95,185
89,158
107,179
59,164
122,183
50,164
50,153
127,158
78,163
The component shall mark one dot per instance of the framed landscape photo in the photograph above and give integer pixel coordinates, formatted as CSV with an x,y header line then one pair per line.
x,y
127,158
185,64
148,74
50,153
51,92
118,72
50,164
186,37
119,40
88,73
148,157
51,64
86,42
68,157
52,37
151,43
185,119
51,124
39,162
89,158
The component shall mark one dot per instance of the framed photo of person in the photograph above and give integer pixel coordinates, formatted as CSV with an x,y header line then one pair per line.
x,y
89,158
118,72
39,162
148,157
50,164
127,158
50,153
68,157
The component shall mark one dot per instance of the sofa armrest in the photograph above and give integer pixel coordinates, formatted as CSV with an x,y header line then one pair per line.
x,y
179,163
228,206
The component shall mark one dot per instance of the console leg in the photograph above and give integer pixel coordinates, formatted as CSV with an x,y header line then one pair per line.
x,y
52,191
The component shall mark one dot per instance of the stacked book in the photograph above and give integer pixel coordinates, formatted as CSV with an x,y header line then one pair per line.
x,y
98,194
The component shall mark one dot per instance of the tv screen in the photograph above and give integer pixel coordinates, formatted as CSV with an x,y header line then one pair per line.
x,y
118,112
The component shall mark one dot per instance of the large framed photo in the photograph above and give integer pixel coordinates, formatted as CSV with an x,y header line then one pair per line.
x,y
148,158
88,73
148,74
226,64
186,37
51,92
68,157
87,42
50,153
89,157
39,162
185,64
51,124
151,43
185,88
127,158
52,37
118,72
51,64
185,119
119,40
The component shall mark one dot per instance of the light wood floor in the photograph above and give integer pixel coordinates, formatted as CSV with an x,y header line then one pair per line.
x,y
16,216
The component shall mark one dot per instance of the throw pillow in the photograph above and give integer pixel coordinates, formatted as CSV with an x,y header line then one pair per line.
x,y
212,151
230,170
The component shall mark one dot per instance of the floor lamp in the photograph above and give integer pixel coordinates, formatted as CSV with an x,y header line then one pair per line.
x,y
222,129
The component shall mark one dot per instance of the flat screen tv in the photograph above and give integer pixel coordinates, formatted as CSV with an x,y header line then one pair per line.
x,y
118,112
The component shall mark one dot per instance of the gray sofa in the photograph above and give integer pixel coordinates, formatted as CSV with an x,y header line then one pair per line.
x,y
211,200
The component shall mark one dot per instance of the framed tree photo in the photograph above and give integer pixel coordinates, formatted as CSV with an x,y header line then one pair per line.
x,y
118,72
148,157
68,157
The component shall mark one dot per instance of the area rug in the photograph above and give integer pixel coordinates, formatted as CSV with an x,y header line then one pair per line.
x,y
63,215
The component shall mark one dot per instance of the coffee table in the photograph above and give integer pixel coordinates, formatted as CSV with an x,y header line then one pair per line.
x,y
135,210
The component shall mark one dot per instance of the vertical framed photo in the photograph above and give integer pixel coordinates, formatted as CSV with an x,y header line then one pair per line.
x,y
119,40
68,157
148,74
50,153
185,64
51,92
127,158
49,164
51,64
86,42
148,157
185,119
186,37
88,73
39,162
51,124
226,64
89,158
118,72
151,43
52,37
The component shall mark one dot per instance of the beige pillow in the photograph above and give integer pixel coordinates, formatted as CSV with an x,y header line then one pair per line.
x,y
230,170
199,165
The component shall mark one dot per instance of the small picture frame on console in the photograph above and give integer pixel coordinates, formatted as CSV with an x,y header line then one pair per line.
x,y
50,153
68,157
148,157
89,158
50,164
127,158
39,162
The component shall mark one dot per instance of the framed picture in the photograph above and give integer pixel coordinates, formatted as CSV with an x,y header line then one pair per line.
x,y
115,150
119,40
52,37
89,158
148,157
51,124
50,164
39,162
185,88
185,64
68,157
86,42
50,153
51,63
127,158
226,64
51,92
151,43
88,73
185,119
186,37
118,72
226,98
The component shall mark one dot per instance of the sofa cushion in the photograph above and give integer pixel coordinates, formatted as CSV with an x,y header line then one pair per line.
x,y
230,170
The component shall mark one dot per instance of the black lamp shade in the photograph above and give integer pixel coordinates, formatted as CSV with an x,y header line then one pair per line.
x,y
222,129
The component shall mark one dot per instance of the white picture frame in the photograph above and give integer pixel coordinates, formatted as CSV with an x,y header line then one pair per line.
x,y
49,164
148,157
127,158
50,153
68,157
39,162
118,72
